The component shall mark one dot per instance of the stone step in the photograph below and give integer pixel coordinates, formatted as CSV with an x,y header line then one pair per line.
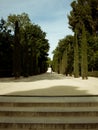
x,y
59,104
48,101
48,111
50,120
49,129
49,114
52,123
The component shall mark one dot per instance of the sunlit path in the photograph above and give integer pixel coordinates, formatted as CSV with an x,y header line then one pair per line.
x,y
48,102
49,84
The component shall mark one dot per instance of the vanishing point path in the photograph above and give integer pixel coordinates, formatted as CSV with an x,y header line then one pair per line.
x,y
49,85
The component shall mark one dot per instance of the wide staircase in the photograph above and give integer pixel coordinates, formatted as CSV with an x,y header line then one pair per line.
x,y
49,113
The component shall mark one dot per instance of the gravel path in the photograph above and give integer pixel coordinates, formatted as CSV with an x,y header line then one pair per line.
x,y
49,84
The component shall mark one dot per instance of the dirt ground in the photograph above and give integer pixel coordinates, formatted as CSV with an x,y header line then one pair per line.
x,y
49,84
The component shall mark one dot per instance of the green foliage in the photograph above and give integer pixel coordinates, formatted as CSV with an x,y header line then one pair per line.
x,y
92,53
23,20
85,13
6,41
83,52
93,73
84,63
63,56
36,46
29,46
17,52
76,56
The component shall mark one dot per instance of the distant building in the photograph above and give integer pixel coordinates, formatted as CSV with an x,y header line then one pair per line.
x,y
49,70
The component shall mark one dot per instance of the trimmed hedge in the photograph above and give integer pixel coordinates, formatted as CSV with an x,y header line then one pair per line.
x,y
93,73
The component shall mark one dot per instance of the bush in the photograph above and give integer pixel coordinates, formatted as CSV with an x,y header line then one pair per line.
x,y
93,73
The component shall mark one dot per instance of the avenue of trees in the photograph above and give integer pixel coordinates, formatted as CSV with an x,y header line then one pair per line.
x,y
78,54
23,47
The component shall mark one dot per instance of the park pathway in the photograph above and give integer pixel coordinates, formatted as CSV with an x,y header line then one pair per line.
x,y
48,102
49,84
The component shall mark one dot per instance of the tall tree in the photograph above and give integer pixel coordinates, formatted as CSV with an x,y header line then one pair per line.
x,y
6,41
34,45
84,64
23,20
17,53
85,12
64,62
63,56
25,55
76,56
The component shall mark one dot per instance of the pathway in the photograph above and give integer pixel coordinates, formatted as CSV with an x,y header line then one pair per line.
x,y
49,84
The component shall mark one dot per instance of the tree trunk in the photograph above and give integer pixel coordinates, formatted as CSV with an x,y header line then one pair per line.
x,y
84,64
17,53
64,62
76,57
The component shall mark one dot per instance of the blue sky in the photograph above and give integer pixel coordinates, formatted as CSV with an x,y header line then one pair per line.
x,y
51,15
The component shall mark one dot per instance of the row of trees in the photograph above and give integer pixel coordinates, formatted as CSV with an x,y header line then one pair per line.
x,y
63,56
23,47
78,54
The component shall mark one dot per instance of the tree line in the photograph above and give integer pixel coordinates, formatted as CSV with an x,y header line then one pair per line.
x,y
23,47
77,54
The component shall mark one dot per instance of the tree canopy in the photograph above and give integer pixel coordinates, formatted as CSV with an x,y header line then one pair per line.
x,y
83,55
28,46
63,56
